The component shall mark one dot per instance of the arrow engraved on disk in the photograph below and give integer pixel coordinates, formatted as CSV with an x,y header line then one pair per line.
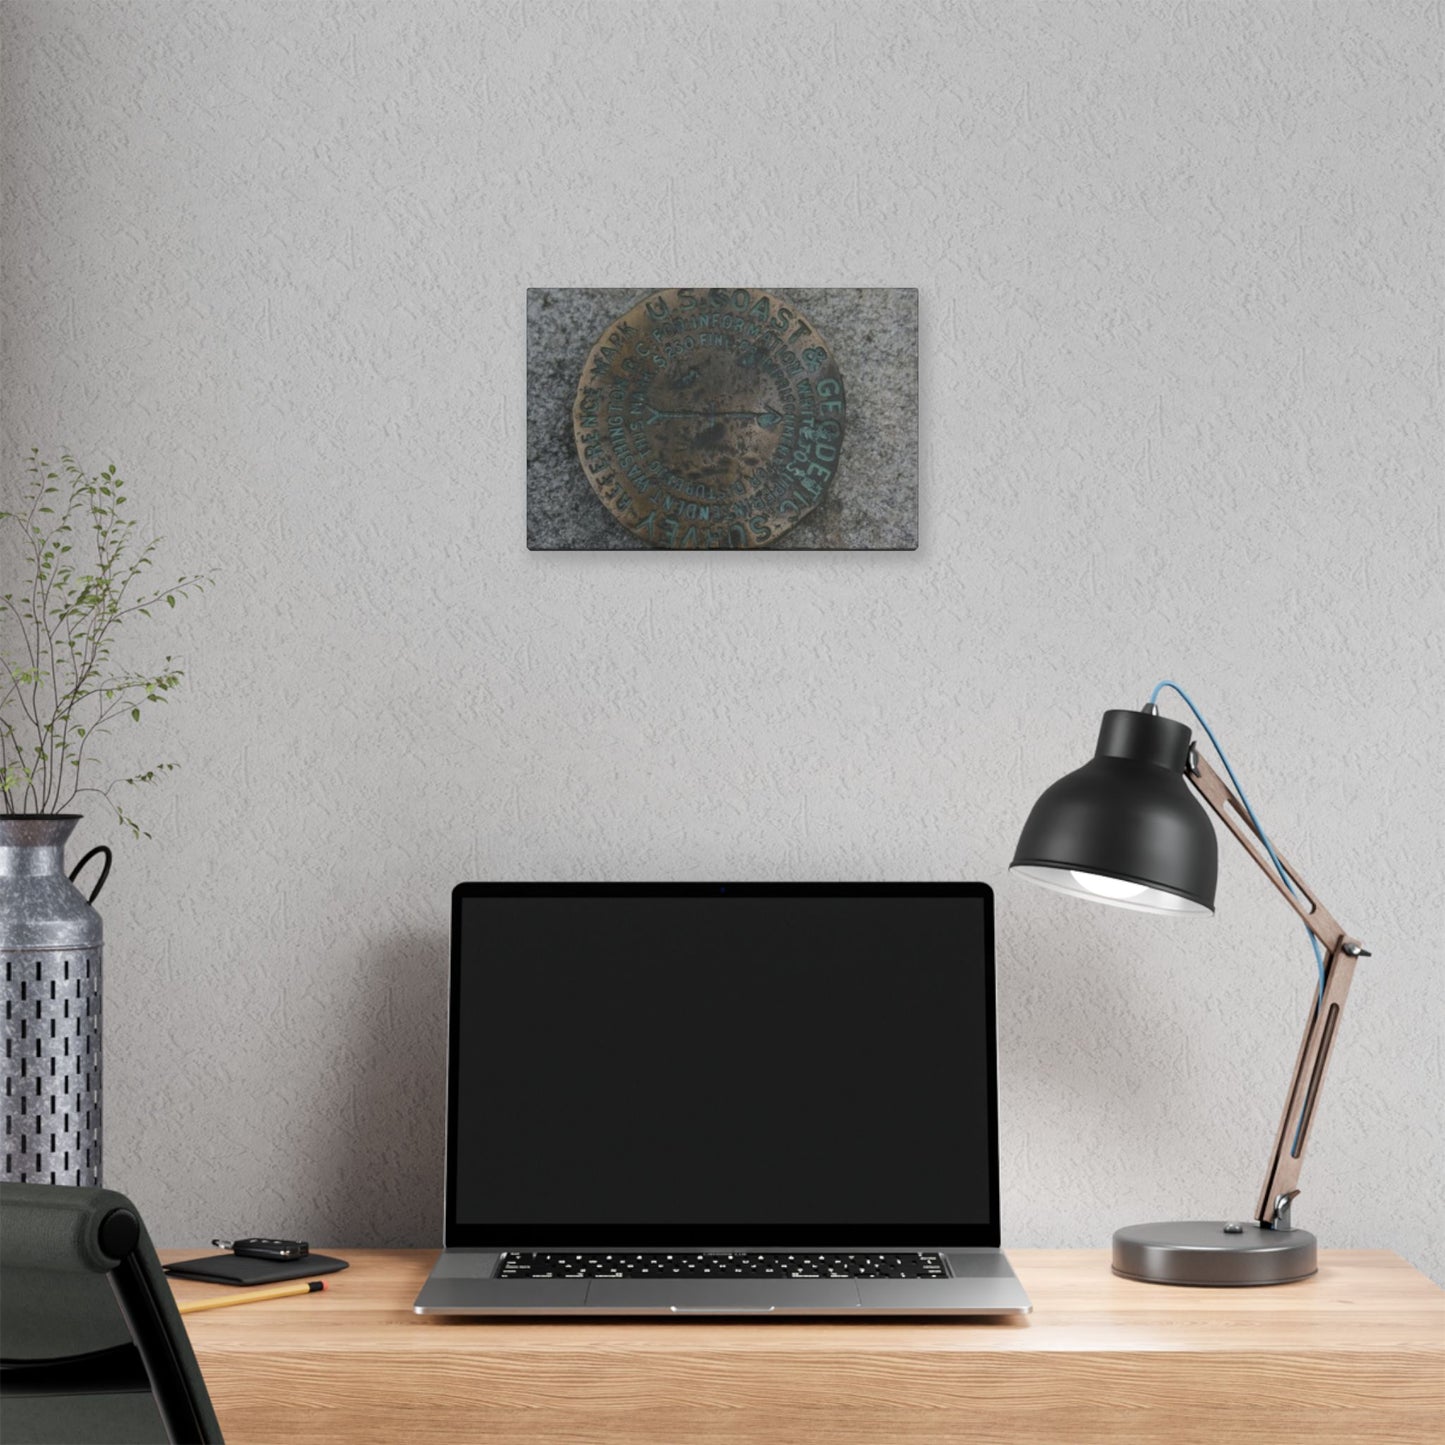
x,y
768,418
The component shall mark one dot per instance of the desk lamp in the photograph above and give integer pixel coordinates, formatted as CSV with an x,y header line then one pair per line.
x,y
1125,829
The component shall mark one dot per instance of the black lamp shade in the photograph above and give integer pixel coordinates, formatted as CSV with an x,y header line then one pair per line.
x,y
1125,828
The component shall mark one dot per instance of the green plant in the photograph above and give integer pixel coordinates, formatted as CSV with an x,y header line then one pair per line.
x,y
62,691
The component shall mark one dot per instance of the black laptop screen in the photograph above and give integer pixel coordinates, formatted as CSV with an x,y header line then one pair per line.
x,y
723,1066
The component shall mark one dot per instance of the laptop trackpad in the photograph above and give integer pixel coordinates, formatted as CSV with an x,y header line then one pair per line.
x,y
699,1296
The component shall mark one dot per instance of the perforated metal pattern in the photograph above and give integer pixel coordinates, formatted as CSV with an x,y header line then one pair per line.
x,y
52,1071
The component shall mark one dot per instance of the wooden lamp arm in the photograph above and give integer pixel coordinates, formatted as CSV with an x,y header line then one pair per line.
x,y
1281,1183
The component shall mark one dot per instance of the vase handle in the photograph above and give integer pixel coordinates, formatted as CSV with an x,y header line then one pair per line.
x,y
104,872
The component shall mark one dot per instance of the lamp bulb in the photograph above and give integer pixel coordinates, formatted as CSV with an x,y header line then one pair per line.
x,y
1117,888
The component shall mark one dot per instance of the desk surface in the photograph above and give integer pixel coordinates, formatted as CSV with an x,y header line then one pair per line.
x,y
1355,1354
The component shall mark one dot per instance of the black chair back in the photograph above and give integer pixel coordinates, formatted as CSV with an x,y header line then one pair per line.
x,y
92,1348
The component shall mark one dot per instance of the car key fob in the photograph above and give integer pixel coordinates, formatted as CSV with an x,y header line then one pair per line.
x,y
281,1249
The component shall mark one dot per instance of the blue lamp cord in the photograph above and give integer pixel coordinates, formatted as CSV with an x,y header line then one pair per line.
x,y
1268,848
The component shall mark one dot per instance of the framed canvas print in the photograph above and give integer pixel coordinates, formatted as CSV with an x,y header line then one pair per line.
x,y
712,418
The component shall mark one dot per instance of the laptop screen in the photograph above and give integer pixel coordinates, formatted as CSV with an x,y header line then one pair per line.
x,y
722,1066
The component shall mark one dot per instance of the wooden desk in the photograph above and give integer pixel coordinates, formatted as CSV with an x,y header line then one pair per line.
x,y
1356,1354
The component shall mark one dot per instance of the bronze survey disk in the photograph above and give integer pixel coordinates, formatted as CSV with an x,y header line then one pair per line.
x,y
710,418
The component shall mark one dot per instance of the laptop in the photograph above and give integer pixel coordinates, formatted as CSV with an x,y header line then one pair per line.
x,y
691,1100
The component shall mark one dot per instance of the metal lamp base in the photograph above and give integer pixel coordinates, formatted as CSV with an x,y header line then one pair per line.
x,y
1221,1254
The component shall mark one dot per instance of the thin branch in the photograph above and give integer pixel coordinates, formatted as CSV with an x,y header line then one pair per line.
x,y
69,630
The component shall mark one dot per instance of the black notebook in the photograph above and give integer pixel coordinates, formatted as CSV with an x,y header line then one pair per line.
x,y
243,1269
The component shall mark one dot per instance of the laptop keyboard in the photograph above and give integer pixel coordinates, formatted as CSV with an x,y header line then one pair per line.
x,y
684,1265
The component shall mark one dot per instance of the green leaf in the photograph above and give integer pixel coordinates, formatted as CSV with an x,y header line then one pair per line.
x,y
135,714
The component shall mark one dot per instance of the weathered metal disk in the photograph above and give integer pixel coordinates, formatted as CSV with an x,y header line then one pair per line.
x,y
710,418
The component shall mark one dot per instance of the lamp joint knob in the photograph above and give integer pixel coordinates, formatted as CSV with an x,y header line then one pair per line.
x,y
1282,1204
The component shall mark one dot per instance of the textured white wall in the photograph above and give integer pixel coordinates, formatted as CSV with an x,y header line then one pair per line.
x,y
1180,380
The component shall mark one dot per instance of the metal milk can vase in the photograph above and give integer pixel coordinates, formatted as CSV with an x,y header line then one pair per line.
x,y
50,946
